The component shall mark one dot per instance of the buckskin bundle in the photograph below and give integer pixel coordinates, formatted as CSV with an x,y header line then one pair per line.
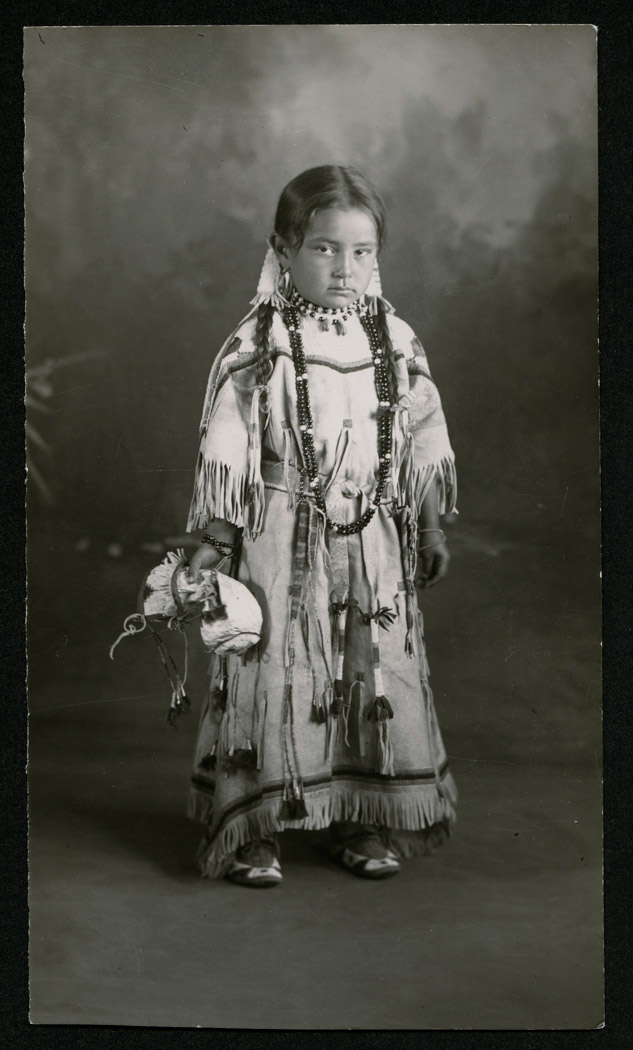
x,y
230,618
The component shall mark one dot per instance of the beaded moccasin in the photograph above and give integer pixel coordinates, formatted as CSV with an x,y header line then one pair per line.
x,y
256,864
365,855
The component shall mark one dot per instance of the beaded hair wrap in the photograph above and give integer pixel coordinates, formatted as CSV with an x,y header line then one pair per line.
x,y
271,285
374,294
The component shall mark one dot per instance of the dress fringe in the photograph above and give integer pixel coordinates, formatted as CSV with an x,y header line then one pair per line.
x,y
403,817
420,479
222,492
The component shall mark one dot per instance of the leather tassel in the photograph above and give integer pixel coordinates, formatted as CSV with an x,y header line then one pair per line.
x,y
327,699
293,805
330,735
411,567
287,435
180,703
304,620
255,483
344,717
285,809
380,710
293,809
261,726
359,685
209,761
340,609
241,758
408,642
396,448
300,809
323,324
319,709
219,696
337,702
384,617
385,750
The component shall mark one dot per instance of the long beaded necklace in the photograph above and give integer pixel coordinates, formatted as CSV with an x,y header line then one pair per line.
x,y
292,320
326,314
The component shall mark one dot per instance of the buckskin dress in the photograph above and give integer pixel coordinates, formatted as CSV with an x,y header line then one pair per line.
x,y
331,717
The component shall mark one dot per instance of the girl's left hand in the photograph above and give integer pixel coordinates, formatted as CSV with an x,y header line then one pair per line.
x,y
433,564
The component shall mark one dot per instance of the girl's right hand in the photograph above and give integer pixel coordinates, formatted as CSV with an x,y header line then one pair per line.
x,y
433,562
205,557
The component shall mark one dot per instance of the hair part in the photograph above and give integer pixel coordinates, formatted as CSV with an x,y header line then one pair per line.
x,y
328,186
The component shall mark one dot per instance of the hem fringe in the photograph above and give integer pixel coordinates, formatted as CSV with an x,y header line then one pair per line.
x,y
406,816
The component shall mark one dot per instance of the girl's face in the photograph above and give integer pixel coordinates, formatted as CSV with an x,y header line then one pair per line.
x,y
334,264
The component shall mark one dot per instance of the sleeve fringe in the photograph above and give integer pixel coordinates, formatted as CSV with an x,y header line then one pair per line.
x,y
420,479
222,492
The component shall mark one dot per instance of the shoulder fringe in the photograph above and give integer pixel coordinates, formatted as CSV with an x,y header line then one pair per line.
x,y
402,815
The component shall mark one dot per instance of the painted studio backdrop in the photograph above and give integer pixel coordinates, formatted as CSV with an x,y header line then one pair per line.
x,y
154,159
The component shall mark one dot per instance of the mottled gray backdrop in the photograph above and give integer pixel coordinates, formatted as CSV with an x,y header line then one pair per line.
x,y
155,157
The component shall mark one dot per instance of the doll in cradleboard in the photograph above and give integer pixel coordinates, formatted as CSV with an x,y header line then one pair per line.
x,y
324,467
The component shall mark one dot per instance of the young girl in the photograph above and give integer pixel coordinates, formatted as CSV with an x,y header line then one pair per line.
x,y
324,465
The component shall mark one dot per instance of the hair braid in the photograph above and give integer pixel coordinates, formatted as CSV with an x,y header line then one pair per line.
x,y
384,335
265,314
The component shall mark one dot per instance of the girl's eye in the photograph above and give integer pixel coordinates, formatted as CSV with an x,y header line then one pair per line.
x,y
325,249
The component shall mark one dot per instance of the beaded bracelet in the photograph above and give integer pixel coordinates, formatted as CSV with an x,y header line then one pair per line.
x,y
438,543
223,546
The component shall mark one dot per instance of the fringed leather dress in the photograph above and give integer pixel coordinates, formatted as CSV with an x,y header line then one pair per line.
x,y
331,716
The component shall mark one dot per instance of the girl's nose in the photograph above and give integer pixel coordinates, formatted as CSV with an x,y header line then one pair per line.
x,y
343,268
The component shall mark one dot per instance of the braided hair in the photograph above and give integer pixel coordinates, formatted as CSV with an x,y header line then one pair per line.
x,y
384,336
326,186
261,339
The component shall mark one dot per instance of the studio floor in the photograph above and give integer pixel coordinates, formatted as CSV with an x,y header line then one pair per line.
x,y
500,929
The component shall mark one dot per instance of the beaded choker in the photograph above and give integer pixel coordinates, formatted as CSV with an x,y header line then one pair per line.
x,y
324,314
292,320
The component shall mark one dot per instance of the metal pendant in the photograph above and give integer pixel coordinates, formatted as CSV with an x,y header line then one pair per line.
x,y
324,324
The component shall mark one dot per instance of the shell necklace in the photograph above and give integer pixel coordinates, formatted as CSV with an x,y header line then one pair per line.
x,y
336,315
292,320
